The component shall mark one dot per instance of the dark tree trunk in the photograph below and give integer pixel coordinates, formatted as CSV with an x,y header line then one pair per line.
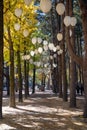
x,y
27,78
12,88
60,76
19,75
1,55
83,7
72,64
34,77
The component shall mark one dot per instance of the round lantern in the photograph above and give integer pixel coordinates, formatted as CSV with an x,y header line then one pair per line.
x,y
51,46
54,55
59,36
67,21
61,51
18,12
51,57
17,26
45,47
32,53
54,65
40,50
36,51
27,2
73,21
45,42
60,8
25,33
27,57
39,40
34,40
54,49
45,5
58,47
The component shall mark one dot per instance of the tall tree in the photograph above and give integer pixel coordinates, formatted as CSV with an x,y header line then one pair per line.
x,y
1,55
83,7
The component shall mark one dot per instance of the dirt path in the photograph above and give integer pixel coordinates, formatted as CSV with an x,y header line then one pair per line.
x,y
42,111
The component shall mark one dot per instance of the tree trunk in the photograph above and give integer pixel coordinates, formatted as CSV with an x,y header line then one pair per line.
x,y
12,88
83,7
72,64
60,76
27,78
19,75
34,77
1,55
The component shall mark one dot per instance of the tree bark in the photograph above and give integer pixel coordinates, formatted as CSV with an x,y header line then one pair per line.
x,y
83,7
19,75
1,55
12,88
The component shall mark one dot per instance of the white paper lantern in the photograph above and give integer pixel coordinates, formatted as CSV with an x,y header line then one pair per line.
x,y
27,2
73,21
54,65
58,52
51,46
67,21
18,12
17,26
40,50
60,8
39,40
32,53
27,57
54,49
34,40
58,47
59,36
45,42
54,55
25,33
61,51
45,5
45,47
51,57
36,51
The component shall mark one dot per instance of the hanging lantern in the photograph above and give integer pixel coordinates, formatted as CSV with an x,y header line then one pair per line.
x,y
67,21
51,46
45,47
40,50
45,42
27,57
60,8
59,36
58,47
39,40
54,55
34,40
18,12
51,57
25,33
54,49
54,65
61,51
27,2
73,21
32,53
17,26
45,5
36,51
